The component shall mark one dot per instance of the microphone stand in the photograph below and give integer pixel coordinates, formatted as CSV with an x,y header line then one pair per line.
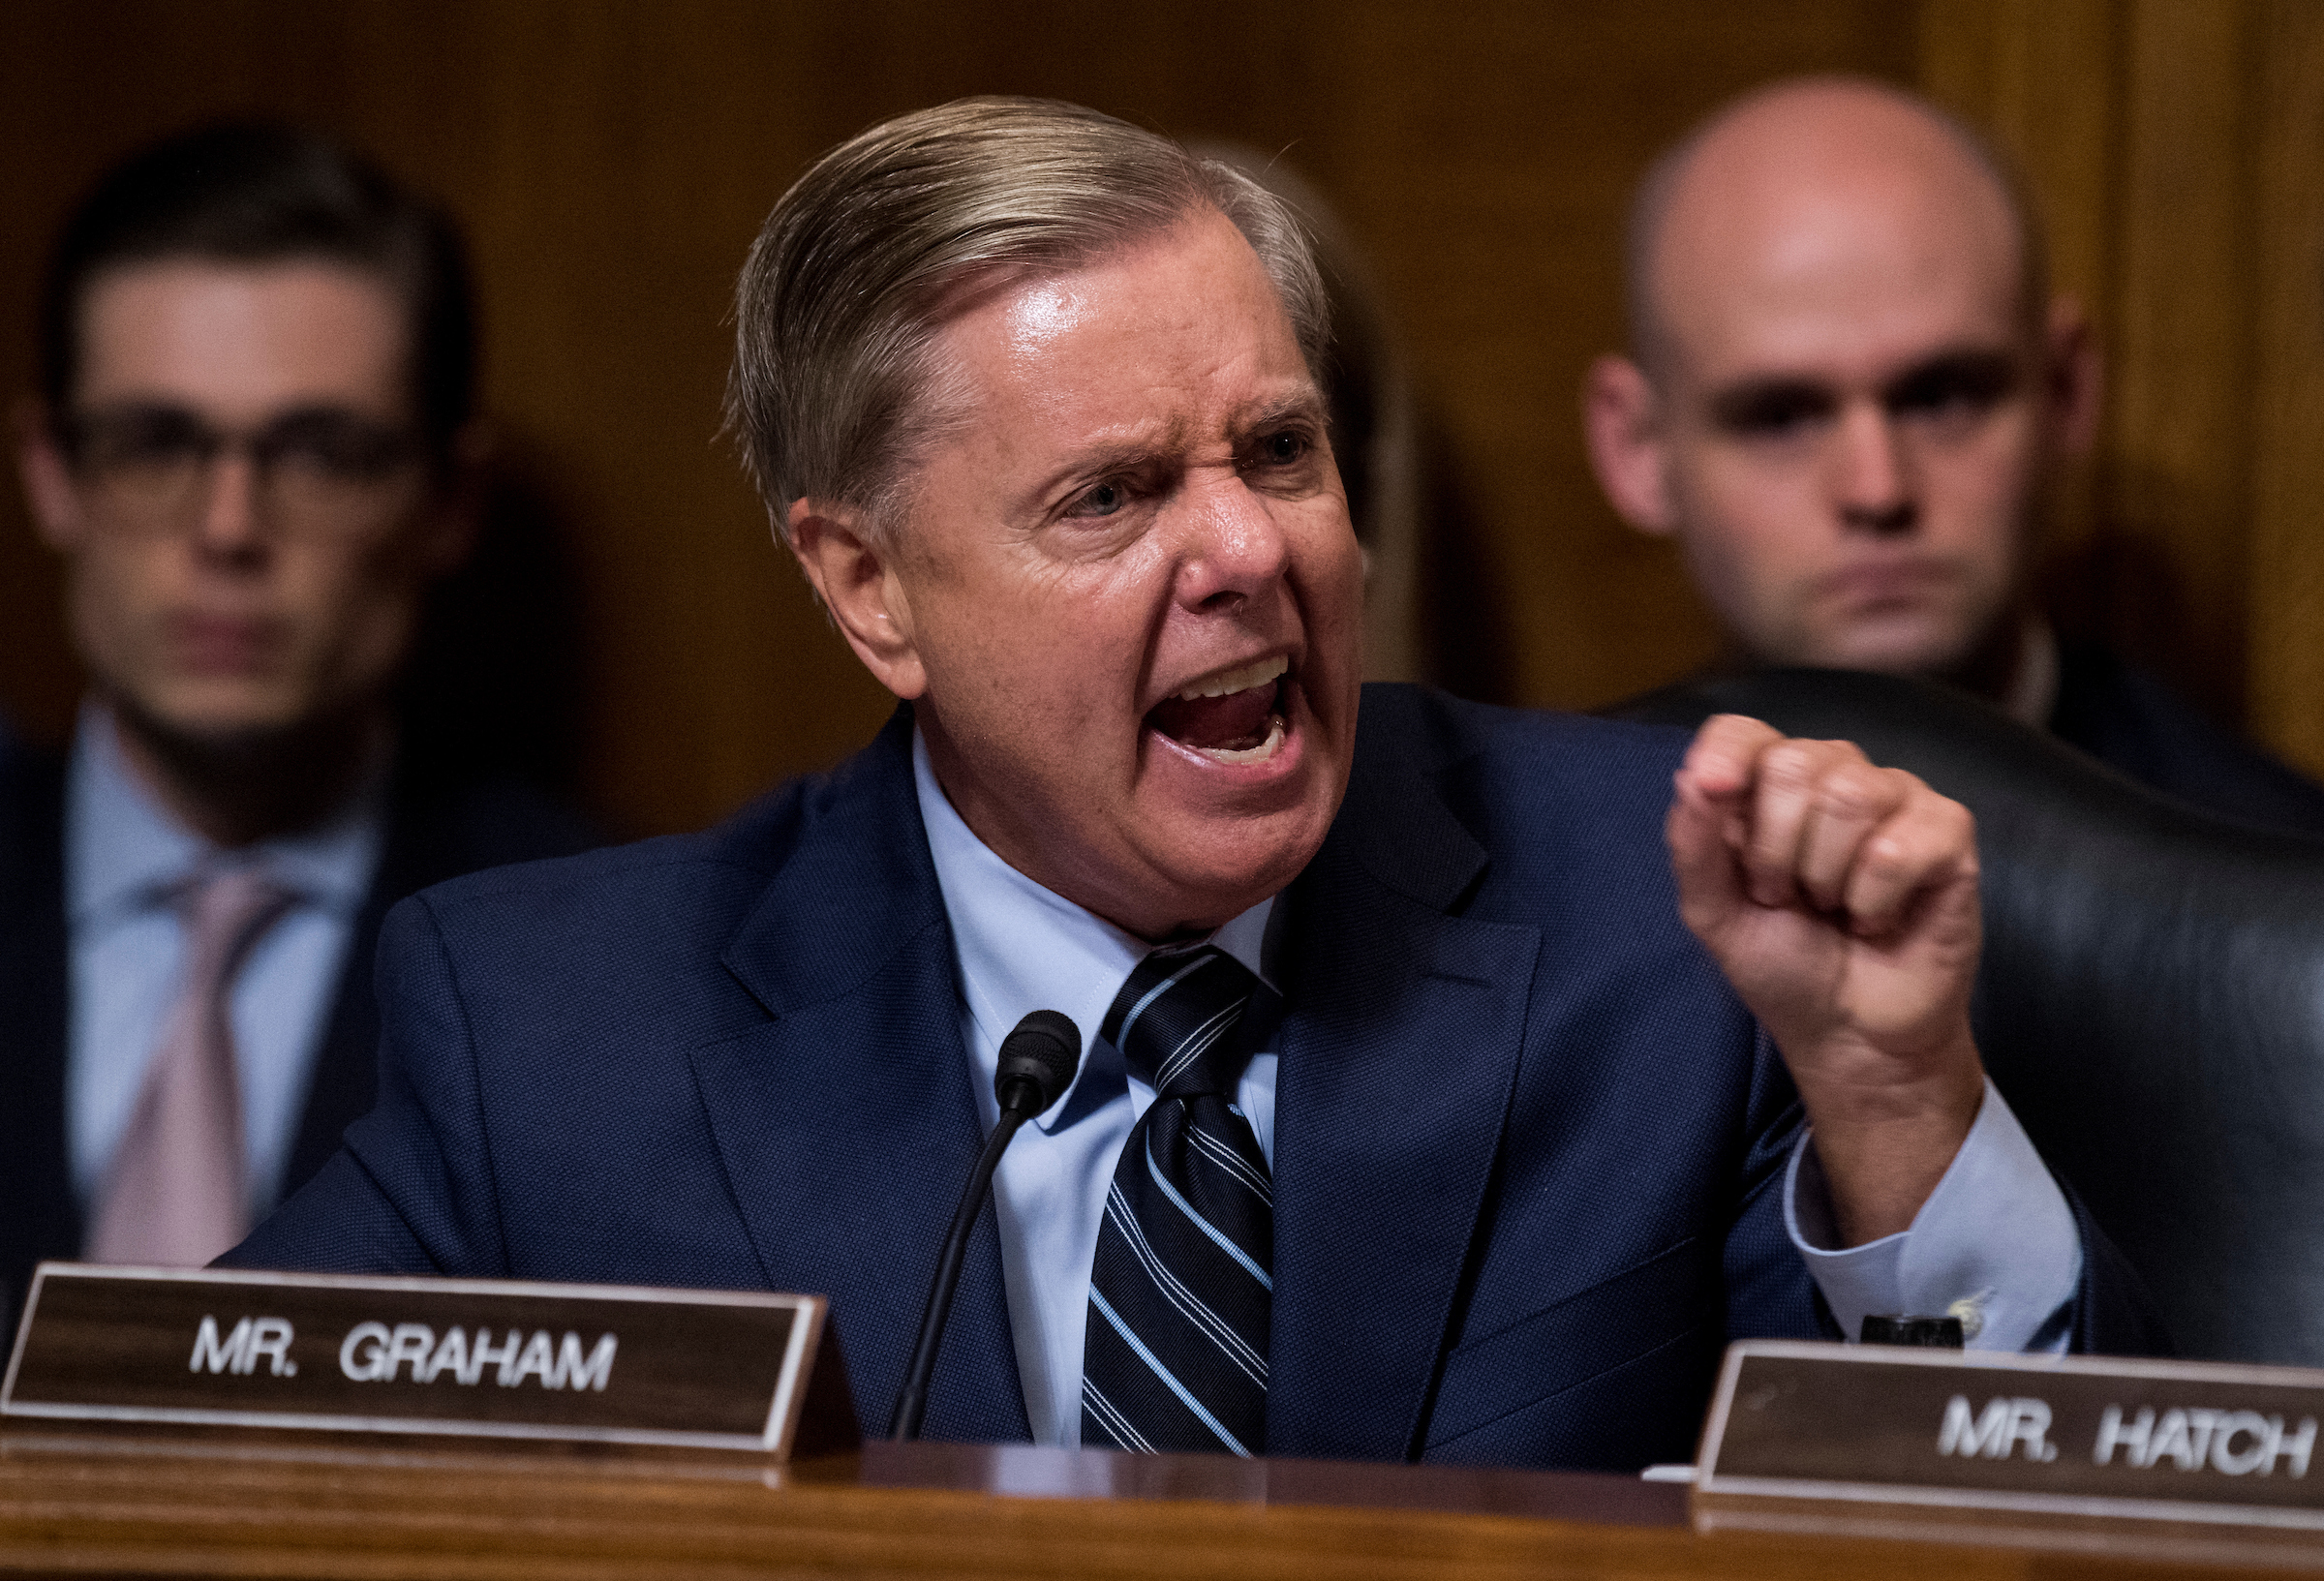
x,y
1036,1067
911,1404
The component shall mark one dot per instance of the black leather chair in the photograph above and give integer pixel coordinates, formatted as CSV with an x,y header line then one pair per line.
x,y
2150,1002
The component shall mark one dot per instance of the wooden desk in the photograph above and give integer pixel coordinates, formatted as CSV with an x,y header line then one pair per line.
x,y
923,1509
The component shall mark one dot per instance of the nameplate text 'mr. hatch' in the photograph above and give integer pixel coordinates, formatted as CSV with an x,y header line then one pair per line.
x,y
464,1359
2165,1458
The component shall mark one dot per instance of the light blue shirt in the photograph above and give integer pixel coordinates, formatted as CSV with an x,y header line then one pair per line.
x,y
1994,1239
123,855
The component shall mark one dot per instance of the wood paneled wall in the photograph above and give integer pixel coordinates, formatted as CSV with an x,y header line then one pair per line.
x,y
2178,147
613,159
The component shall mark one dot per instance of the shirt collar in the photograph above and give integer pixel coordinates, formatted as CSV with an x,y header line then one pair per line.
x,y
123,850
1024,947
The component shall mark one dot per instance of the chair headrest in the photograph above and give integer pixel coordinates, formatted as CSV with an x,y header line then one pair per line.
x,y
2150,999
1974,752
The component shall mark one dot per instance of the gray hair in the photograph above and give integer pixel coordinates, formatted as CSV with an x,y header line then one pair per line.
x,y
834,387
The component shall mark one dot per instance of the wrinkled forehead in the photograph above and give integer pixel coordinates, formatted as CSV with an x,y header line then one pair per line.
x,y
1175,337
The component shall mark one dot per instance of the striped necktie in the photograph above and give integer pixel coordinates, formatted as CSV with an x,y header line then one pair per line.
x,y
1176,1350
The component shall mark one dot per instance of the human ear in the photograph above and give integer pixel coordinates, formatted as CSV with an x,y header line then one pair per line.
x,y
49,491
2074,374
856,580
1621,416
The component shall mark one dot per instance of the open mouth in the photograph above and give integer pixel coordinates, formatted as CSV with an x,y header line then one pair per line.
x,y
1234,716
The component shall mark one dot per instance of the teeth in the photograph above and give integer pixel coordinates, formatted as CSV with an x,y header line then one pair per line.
x,y
1249,754
1235,681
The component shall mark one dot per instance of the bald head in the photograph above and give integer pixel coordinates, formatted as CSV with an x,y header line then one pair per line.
x,y
1798,172
1847,383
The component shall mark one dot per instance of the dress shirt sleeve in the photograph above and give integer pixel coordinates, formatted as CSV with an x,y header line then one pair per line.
x,y
1995,1244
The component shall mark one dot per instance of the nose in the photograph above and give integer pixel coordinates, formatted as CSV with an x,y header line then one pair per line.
x,y
1233,549
228,526
1872,481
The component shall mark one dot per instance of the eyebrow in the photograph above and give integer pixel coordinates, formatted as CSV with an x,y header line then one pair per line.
x,y
1139,454
1750,402
1984,369
1306,404
1147,452
139,409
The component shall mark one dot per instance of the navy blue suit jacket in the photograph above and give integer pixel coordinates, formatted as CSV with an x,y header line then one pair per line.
x,y
1529,1148
2126,718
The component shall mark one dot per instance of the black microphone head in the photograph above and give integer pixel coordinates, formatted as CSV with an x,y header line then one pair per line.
x,y
1045,1049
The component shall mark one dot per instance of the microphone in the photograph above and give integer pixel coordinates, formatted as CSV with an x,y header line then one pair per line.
x,y
1037,1062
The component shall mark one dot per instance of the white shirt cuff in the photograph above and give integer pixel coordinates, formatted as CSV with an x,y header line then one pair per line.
x,y
1994,1245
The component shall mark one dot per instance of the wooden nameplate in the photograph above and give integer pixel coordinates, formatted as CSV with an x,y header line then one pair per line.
x,y
2165,1459
479,1361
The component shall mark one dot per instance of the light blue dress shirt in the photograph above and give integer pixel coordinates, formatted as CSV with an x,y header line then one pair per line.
x,y
1994,1240
123,855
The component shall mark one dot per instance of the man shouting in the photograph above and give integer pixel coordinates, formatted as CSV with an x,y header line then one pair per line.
x,y
1414,1121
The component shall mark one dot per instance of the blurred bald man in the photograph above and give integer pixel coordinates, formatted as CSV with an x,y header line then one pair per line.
x,y
1847,383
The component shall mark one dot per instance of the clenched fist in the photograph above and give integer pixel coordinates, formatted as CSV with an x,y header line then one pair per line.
x,y
1840,900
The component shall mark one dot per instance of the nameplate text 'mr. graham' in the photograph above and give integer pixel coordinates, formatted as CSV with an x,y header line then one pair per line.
x,y
459,1358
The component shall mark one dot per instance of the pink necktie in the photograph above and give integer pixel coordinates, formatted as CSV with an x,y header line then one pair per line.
x,y
176,1193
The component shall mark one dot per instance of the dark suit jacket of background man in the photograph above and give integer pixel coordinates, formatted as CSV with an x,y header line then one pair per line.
x,y
2132,722
1529,1149
436,829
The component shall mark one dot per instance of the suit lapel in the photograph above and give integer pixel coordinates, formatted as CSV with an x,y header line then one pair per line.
x,y
439,825
1398,1055
847,1124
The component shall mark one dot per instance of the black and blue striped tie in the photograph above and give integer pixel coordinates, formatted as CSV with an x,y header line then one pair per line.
x,y
1176,1350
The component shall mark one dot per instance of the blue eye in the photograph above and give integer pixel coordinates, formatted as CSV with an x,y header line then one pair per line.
x,y
1102,500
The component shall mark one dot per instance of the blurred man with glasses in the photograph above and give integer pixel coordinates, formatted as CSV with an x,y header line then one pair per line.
x,y
255,449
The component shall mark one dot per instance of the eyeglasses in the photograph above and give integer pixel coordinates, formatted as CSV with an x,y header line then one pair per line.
x,y
317,469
